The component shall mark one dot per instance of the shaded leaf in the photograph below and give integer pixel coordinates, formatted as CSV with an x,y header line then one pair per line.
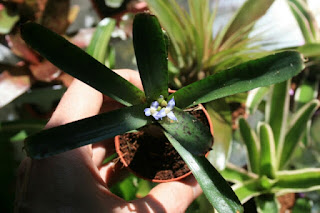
x,y
86,131
255,73
151,53
251,141
296,129
77,63
216,189
220,115
267,203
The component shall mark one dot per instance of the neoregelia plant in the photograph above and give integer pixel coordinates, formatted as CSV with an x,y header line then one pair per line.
x,y
151,45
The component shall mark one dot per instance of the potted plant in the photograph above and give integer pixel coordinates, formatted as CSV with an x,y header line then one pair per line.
x,y
270,149
190,138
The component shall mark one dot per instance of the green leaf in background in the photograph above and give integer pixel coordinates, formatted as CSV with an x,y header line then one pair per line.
x,y
235,174
248,189
98,47
190,132
307,91
89,130
302,205
302,180
220,115
251,141
305,19
127,188
79,64
309,50
296,129
268,161
151,54
255,97
277,111
267,203
216,189
250,12
7,21
255,73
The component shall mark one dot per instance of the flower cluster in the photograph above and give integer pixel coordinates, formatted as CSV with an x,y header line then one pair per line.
x,y
160,109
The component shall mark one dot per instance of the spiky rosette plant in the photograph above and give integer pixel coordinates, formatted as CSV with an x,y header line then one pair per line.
x,y
155,105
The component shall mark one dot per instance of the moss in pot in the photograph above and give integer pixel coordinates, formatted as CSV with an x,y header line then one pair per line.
x,y
189,138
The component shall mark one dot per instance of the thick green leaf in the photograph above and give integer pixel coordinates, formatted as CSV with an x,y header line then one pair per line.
x,y
190,132
268,161
220,115
255,97
297,181
216,189
89,130
151,54
251,141
267,203
296,129
277,110
79,64
250,12
98,46
255,73
235,174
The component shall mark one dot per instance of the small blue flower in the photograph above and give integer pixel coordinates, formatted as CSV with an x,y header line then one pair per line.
x,y
158,112
152,110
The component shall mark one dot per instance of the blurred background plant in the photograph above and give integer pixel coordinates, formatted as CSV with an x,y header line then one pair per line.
x,y
206,36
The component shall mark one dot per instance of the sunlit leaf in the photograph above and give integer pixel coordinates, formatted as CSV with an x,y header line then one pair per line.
x,y
256,73
151,54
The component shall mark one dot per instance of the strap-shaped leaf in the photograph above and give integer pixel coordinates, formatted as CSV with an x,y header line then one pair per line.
x,y
250,12
220,115
190,132
99,43
267,203
255,97
296,129
216,189
251,141
305,19
277,111
235,174
268,161
302,180
309,50
151,54
76,62
86,131
252,74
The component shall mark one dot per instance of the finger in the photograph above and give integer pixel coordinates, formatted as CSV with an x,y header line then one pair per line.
x,y
174,196
131,76
80,101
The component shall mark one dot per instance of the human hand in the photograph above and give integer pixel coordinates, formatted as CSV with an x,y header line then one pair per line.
x,y
77,181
